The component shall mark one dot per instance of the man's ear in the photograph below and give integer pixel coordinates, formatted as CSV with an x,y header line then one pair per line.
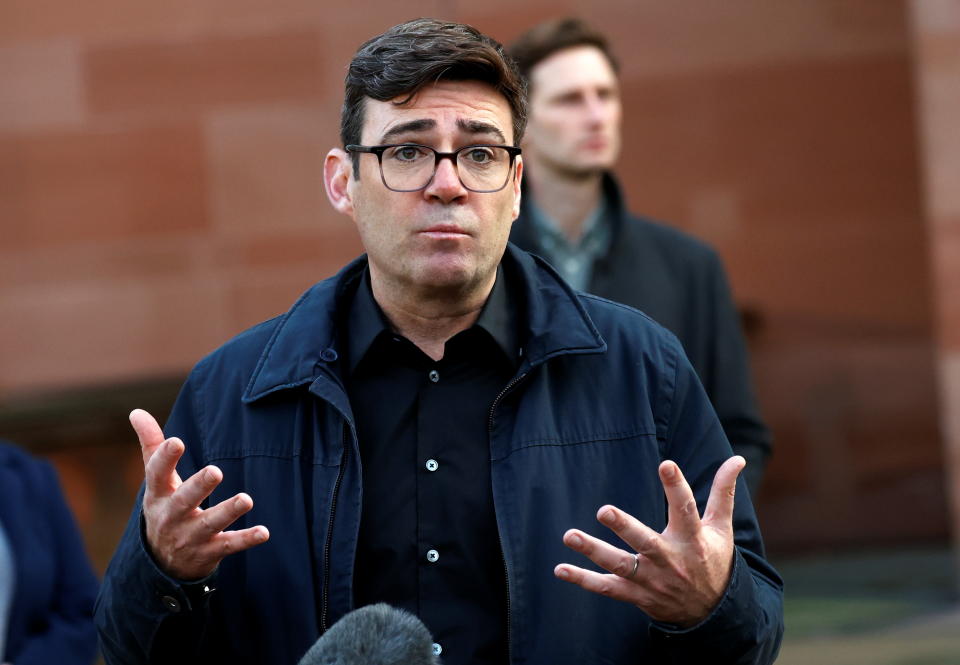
x,y
518,176
337,171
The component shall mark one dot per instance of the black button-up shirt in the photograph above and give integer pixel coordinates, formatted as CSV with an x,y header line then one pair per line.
x,y
428,534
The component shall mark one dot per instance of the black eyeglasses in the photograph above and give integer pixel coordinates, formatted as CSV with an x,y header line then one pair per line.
x,y
410,167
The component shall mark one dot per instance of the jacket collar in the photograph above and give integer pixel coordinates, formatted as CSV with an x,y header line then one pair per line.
x,y
554,321
524,232
304,343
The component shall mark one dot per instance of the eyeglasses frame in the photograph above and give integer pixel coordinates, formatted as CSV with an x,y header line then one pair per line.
x,y
378,150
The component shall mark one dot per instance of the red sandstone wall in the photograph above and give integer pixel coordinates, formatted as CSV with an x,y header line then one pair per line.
x,y
160,191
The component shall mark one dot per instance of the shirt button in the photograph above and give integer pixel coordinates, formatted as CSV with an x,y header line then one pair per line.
x,y
432,465
437,649
172,603
434,375
433,556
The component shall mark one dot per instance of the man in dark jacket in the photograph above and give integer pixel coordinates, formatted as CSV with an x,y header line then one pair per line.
x,y
429,427
574,216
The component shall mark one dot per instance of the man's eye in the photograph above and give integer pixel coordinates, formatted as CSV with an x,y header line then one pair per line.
x,y
479,155
570,99
406,153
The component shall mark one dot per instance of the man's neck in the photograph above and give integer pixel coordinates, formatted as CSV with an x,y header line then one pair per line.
x,y
567,199
429,318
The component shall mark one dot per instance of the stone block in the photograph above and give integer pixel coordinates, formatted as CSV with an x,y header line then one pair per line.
x,y
63,188
266,168
90,332
199,72
42,87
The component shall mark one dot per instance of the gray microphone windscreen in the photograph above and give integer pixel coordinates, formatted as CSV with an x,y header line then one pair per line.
x,y
374,635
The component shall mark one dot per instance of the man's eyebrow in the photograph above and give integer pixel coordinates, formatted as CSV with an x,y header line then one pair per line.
x,y
424,124
410,126
480,127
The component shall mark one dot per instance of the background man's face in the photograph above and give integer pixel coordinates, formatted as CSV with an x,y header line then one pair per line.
x,y
575,112
444,236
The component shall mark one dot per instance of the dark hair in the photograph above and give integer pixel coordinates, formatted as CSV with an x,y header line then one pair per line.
x,y
545,39
409,56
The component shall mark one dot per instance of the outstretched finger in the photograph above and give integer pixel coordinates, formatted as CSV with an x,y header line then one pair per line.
x,y
148,431
605,555
682,506
719,510
634,533
216,518
196,488
229,542
611,586
161,476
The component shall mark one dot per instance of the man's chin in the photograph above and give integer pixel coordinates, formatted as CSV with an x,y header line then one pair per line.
x,y
584,172
450,277
586,168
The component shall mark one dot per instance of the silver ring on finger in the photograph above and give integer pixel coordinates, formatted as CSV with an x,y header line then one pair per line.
x,y
636,564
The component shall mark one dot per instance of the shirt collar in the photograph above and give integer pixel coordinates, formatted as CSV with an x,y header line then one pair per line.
x,y
595,227
499,317
366,321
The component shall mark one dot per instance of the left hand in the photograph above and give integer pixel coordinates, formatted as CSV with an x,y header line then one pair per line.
x,y
677,576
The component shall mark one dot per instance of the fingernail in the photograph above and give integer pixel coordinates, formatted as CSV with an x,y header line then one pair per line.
x,y
669,471
563,573
575,540
607,516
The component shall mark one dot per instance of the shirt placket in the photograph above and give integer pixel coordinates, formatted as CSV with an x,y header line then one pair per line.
x,y
433,546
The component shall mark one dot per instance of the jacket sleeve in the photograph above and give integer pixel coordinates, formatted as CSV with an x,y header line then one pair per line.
x,y
142,614
727,377
68,635
746,626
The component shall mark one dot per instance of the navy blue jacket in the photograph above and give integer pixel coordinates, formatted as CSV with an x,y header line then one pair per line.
x,y
51,619
602,395
680,283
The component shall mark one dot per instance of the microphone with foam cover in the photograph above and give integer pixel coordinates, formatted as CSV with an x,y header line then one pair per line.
x,y
374,635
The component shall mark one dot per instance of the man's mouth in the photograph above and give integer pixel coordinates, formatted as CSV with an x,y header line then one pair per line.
x,y
596,143
444,230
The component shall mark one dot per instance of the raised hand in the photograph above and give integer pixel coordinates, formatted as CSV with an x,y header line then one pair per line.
x,y
677,576
187,541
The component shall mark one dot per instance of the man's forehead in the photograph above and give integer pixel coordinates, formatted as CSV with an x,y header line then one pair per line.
x,y
467,107
571,68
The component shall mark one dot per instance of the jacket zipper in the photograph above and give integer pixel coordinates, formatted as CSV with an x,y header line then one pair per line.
x,y
503,557
324,605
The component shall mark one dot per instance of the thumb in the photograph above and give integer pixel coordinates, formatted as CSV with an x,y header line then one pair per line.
x,y
719,510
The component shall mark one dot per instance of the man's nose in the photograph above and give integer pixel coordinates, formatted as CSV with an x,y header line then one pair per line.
x,y
445,185
597,108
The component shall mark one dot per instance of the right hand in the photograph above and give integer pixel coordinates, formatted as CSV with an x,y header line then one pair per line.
x,y
187,541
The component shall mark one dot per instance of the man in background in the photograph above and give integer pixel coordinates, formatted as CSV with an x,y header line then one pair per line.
x,y
573,214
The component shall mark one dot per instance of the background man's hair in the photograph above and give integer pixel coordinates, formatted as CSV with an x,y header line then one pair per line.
x,y
545,39
409,56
